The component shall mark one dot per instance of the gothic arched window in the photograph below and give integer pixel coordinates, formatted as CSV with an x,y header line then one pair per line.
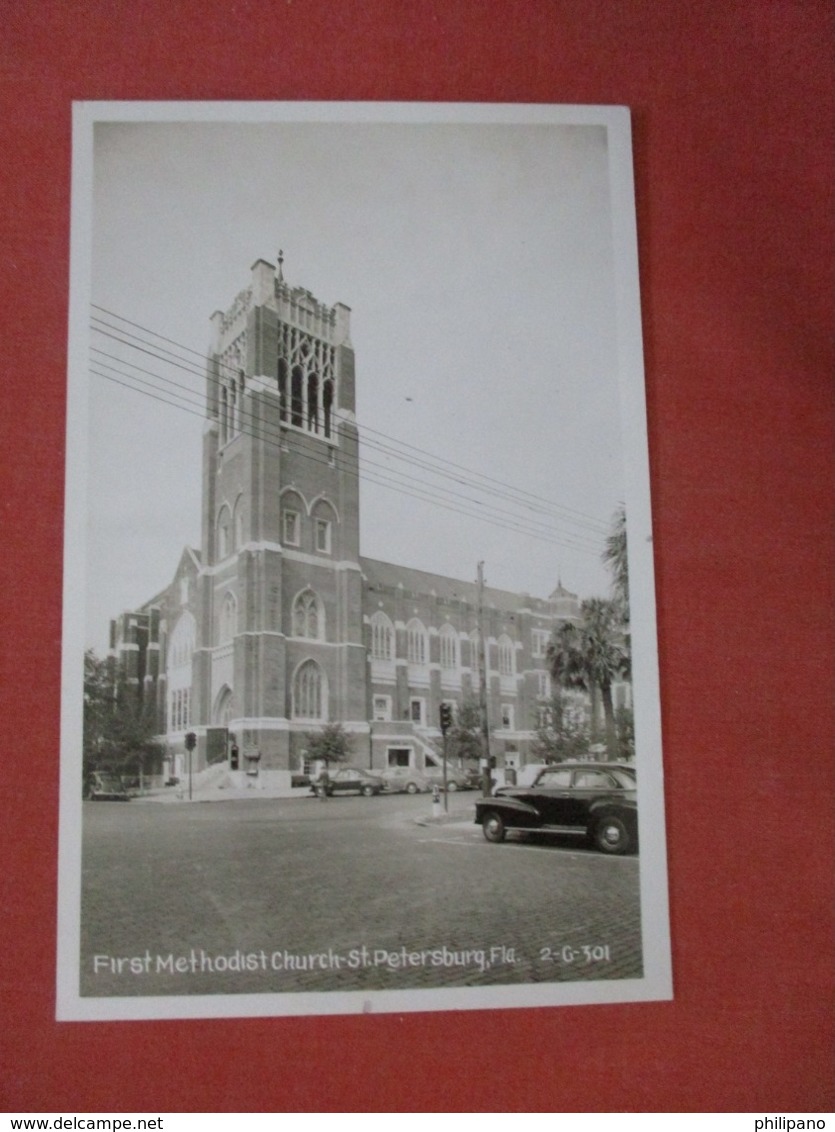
x,y
415,642
180,650
308,617
382,637
313,403
181,644
310,692
224,532
507,656
297,398
327,405
238,525
282,388
449,647
228,619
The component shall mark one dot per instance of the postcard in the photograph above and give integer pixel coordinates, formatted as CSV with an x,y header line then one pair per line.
x,y
360,690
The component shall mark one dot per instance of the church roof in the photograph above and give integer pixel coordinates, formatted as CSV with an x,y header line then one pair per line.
x,y
386,575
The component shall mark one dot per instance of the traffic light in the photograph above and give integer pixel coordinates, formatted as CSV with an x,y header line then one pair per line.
x,y
191,741
446,717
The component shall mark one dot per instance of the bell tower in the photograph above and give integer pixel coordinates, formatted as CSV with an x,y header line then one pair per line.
x,y
280,640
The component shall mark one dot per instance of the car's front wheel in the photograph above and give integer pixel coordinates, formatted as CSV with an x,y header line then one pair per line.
x,y
611,835
411,788
367,791
452,786
493,826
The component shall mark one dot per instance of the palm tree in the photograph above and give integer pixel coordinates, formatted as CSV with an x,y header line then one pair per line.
x,y
614,556
593,654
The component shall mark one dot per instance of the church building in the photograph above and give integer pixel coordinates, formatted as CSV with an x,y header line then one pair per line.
x,y
277,624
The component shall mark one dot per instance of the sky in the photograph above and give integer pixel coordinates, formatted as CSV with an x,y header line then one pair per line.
x,y
477,260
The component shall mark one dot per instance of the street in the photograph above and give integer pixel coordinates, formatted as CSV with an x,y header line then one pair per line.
x,y
350,894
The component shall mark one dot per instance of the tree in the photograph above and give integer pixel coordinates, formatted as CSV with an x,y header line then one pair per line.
x,y
464,737
330,745
563,731
615,557
593,655
625,722
119,728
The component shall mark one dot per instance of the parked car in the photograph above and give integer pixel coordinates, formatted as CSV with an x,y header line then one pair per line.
x,y
474,775
106,787
596,799
351,779
455,779
405,780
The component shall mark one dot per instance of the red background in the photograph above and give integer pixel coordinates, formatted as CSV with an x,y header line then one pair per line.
x,y
733,113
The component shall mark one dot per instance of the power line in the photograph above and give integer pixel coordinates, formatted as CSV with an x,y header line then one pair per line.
x,y
516,494
516,527
520,523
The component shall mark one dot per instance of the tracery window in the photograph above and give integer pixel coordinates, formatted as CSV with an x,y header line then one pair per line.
x,y
306,372
327,404
308,618
507,655
313,403
309,692
415,642
180,650
182,642
449,647
382,637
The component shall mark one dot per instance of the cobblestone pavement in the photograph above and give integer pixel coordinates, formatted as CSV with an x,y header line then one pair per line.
x,y
351,894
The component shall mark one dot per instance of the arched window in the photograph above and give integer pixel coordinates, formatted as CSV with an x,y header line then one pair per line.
x,y
327,405
282,388
296,398
240,413
475,650
228,619
507,656
310,692
180,650
382,637
308,617
224,415
223,712
313,403
181,645
415,642
224,541
449,647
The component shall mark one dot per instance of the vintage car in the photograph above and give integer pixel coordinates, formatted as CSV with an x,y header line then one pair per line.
x,y
455,779
350,779
107,787
404,780
595,799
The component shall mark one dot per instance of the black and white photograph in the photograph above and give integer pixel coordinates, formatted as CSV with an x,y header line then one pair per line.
x,y
360,704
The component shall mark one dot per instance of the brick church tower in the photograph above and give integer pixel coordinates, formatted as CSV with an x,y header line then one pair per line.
x,y
277,624
278,638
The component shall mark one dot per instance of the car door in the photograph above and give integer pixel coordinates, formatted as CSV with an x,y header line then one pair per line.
x,y
551,795
589,785
342,781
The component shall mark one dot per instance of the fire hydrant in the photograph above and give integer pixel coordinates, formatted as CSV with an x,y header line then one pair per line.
x,y
436,802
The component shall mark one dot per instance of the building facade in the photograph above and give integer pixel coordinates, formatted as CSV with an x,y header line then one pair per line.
x,y
277,624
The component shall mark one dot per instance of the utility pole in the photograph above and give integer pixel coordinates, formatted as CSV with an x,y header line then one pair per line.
x,y
482,665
